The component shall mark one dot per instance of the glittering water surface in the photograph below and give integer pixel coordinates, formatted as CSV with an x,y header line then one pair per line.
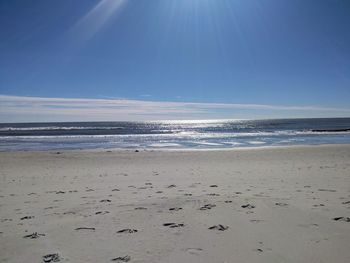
x,y
197,134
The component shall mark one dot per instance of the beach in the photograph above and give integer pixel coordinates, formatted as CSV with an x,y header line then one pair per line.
x,y
266,204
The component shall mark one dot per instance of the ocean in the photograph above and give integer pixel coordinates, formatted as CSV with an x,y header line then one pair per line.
x,y
196,134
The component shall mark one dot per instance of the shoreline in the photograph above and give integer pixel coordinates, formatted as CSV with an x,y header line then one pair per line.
x,y
150,150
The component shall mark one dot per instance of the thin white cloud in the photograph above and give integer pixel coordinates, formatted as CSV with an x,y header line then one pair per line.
x,y
29,109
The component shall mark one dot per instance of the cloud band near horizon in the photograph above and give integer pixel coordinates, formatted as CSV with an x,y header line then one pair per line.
x,y
41,109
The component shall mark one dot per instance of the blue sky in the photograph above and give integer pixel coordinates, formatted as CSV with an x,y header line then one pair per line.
x,y
262,58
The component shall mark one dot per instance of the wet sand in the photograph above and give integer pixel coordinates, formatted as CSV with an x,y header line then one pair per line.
x,y
286,204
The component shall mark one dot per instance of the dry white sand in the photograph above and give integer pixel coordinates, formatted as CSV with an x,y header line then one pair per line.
x,y
294,195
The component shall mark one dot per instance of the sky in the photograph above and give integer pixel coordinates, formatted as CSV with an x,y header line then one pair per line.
x,y
97,60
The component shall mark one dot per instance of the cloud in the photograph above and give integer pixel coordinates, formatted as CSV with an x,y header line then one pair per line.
x,y
29,109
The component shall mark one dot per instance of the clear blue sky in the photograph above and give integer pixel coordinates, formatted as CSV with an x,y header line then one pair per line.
x,y
270,52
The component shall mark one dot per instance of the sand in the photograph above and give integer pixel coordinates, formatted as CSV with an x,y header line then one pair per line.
x,y
246,205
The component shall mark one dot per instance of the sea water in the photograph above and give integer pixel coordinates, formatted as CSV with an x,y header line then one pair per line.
x,y
195,134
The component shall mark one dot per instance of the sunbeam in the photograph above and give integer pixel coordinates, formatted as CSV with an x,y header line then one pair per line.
x,y
89,25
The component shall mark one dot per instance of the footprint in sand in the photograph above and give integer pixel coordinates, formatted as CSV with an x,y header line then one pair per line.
x,y
194,251
175,208
281,204
256,220
308,225
327,190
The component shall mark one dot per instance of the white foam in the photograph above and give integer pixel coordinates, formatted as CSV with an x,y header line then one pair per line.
x,y
159,145
256,142
234,143
208,143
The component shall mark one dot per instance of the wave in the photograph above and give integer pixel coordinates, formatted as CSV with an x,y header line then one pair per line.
x,y
182,135
173,134
332,130
54,128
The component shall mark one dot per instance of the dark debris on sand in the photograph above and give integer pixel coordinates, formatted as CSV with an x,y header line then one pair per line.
x,y
213,194
102,212
27,217
207,207
175,208
248,206
34,235
342,218
85,228
219,227
51,258
140,208
122,259
128,230
173,225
